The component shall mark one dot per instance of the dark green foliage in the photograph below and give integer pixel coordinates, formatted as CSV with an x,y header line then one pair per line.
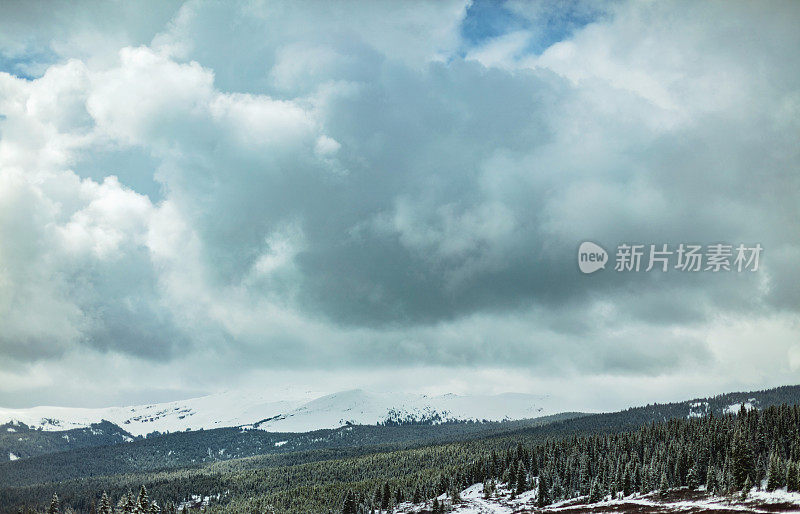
x,y
195,449
595,491
711,480
105,504
717,450
742,462
349,506
54,505
25,442
142,501
692,478
748,484
663,485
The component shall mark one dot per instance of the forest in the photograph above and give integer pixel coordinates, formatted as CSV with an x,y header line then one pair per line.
x,y
725,453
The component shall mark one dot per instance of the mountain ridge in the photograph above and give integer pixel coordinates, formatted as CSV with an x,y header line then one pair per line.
x,y
251,410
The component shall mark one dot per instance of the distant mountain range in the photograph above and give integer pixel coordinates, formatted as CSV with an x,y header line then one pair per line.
x,y
259,434
251,410
233,425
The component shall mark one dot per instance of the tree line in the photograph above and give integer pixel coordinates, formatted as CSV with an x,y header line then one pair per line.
x,y
726,453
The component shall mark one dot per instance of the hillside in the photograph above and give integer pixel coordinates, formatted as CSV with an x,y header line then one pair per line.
x,y
207,453
252,409
473,500
658,467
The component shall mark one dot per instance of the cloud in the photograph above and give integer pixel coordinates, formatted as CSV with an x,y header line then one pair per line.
x,y
359,186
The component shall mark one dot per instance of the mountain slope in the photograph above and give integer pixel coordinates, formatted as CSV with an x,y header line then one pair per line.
x,y
352,457
256,448
203,447
354,407
19,441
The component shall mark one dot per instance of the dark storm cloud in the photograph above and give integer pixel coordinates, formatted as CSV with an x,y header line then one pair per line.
x,y
364,192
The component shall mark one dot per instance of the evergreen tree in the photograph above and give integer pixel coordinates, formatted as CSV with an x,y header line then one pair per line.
x,y
127,503
626,485
522,479
663,486
455,496
387,496
742,465
796,477
105,504
748,484
542,496
584,478
711,480
54,505
692,480
349,505
595,493
776,472
791,477
142,502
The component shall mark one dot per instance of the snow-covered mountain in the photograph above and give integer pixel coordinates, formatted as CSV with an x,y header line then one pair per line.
x,y
252,410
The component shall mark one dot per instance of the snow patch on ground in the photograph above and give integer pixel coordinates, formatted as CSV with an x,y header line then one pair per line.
x,y
776,496
472,501
698,409
735,407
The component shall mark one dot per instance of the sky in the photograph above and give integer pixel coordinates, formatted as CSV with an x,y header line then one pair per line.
x,y
202,196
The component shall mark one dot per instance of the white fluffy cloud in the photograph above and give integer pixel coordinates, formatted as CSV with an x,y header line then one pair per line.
x,y
357,186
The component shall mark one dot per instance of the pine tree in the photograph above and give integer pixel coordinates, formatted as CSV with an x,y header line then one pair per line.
x,y
595,493
584,478
771,472
387,496
349,505
444,484
522,479
711,480
534,464
142,502
542,496
626,485
455,496
129,503
663,486
105,504
748,484
741,459
791,477
692,480
796,472
54,505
